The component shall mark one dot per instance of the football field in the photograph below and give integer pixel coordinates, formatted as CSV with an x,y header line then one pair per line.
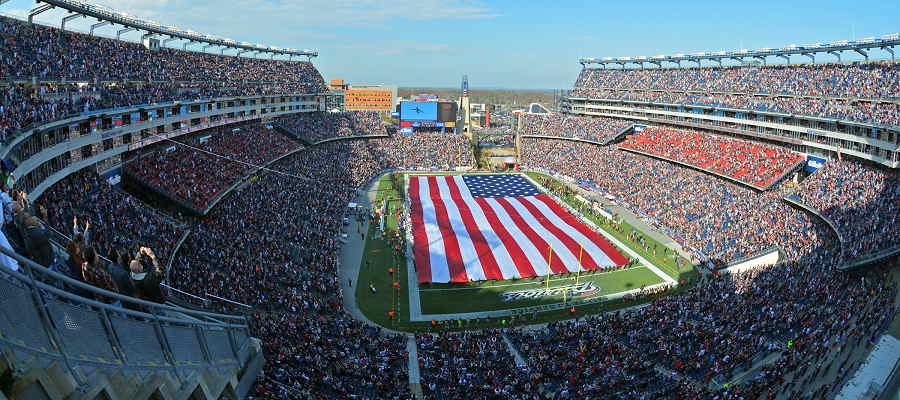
x,y
388,268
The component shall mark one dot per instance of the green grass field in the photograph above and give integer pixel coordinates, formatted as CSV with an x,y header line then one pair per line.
x,y
443,300
380,257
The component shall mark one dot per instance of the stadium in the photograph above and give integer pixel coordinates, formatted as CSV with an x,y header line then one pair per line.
x,y
186,223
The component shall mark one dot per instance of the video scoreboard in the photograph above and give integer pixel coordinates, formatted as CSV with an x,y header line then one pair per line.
x,y
426,114
436,111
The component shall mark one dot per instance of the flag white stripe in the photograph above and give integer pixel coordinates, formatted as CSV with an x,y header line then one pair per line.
x,y
467,250
501,254
440,271
538,262
570,261
595,252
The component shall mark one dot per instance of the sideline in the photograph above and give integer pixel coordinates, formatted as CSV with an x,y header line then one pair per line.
x,y
351,255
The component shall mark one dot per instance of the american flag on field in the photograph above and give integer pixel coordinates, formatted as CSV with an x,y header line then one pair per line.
x,y
495,227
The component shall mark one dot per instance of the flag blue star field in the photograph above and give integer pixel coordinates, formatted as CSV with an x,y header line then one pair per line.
x,y
495,227
499,186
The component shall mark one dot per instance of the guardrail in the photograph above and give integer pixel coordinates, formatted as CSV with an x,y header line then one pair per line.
x,y
798,201
871,258
571,139
108,329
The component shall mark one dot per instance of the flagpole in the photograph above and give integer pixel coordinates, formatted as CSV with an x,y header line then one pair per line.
x,y
549,260
578,273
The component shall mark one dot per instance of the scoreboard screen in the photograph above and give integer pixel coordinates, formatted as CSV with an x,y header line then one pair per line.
x,y
446,111
418,111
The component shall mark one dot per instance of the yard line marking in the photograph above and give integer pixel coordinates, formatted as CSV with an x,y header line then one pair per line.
x,y
538,282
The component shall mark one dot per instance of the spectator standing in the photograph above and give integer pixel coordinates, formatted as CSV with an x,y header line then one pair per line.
x,y
120,274
147,275
96,275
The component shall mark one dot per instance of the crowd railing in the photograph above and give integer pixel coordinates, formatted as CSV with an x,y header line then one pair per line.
x,y
41,315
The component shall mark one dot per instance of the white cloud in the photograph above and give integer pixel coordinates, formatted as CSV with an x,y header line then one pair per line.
x,y
320,13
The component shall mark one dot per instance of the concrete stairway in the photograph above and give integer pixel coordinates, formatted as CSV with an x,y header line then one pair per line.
x,y
29,376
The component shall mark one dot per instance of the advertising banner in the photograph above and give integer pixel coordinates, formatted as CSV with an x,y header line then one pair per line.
x,y
813,163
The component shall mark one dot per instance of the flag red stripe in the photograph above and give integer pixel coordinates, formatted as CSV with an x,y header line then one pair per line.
x,y
451,243
556,265
595,237
573,246
526,270
485,254
420,239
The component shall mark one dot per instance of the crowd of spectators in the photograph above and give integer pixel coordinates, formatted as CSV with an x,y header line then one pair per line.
x,y
851,110
195,171
314,127
862,201
497,136
106,233
86,204
274,242
25,106
97,68
689,345
756,164
470,365
322,356
598,129
718,221
872,80
32,50
843,91
288,220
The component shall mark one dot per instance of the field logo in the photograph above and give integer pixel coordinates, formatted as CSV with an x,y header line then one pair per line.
x,y
582,289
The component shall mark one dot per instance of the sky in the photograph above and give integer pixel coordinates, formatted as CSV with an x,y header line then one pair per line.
x,y
521,44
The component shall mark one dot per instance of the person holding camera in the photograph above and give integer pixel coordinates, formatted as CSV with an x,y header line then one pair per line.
x,y
147,275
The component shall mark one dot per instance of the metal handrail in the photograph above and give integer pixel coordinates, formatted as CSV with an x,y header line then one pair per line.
x,y
229,301
210,348
163,283
32,266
